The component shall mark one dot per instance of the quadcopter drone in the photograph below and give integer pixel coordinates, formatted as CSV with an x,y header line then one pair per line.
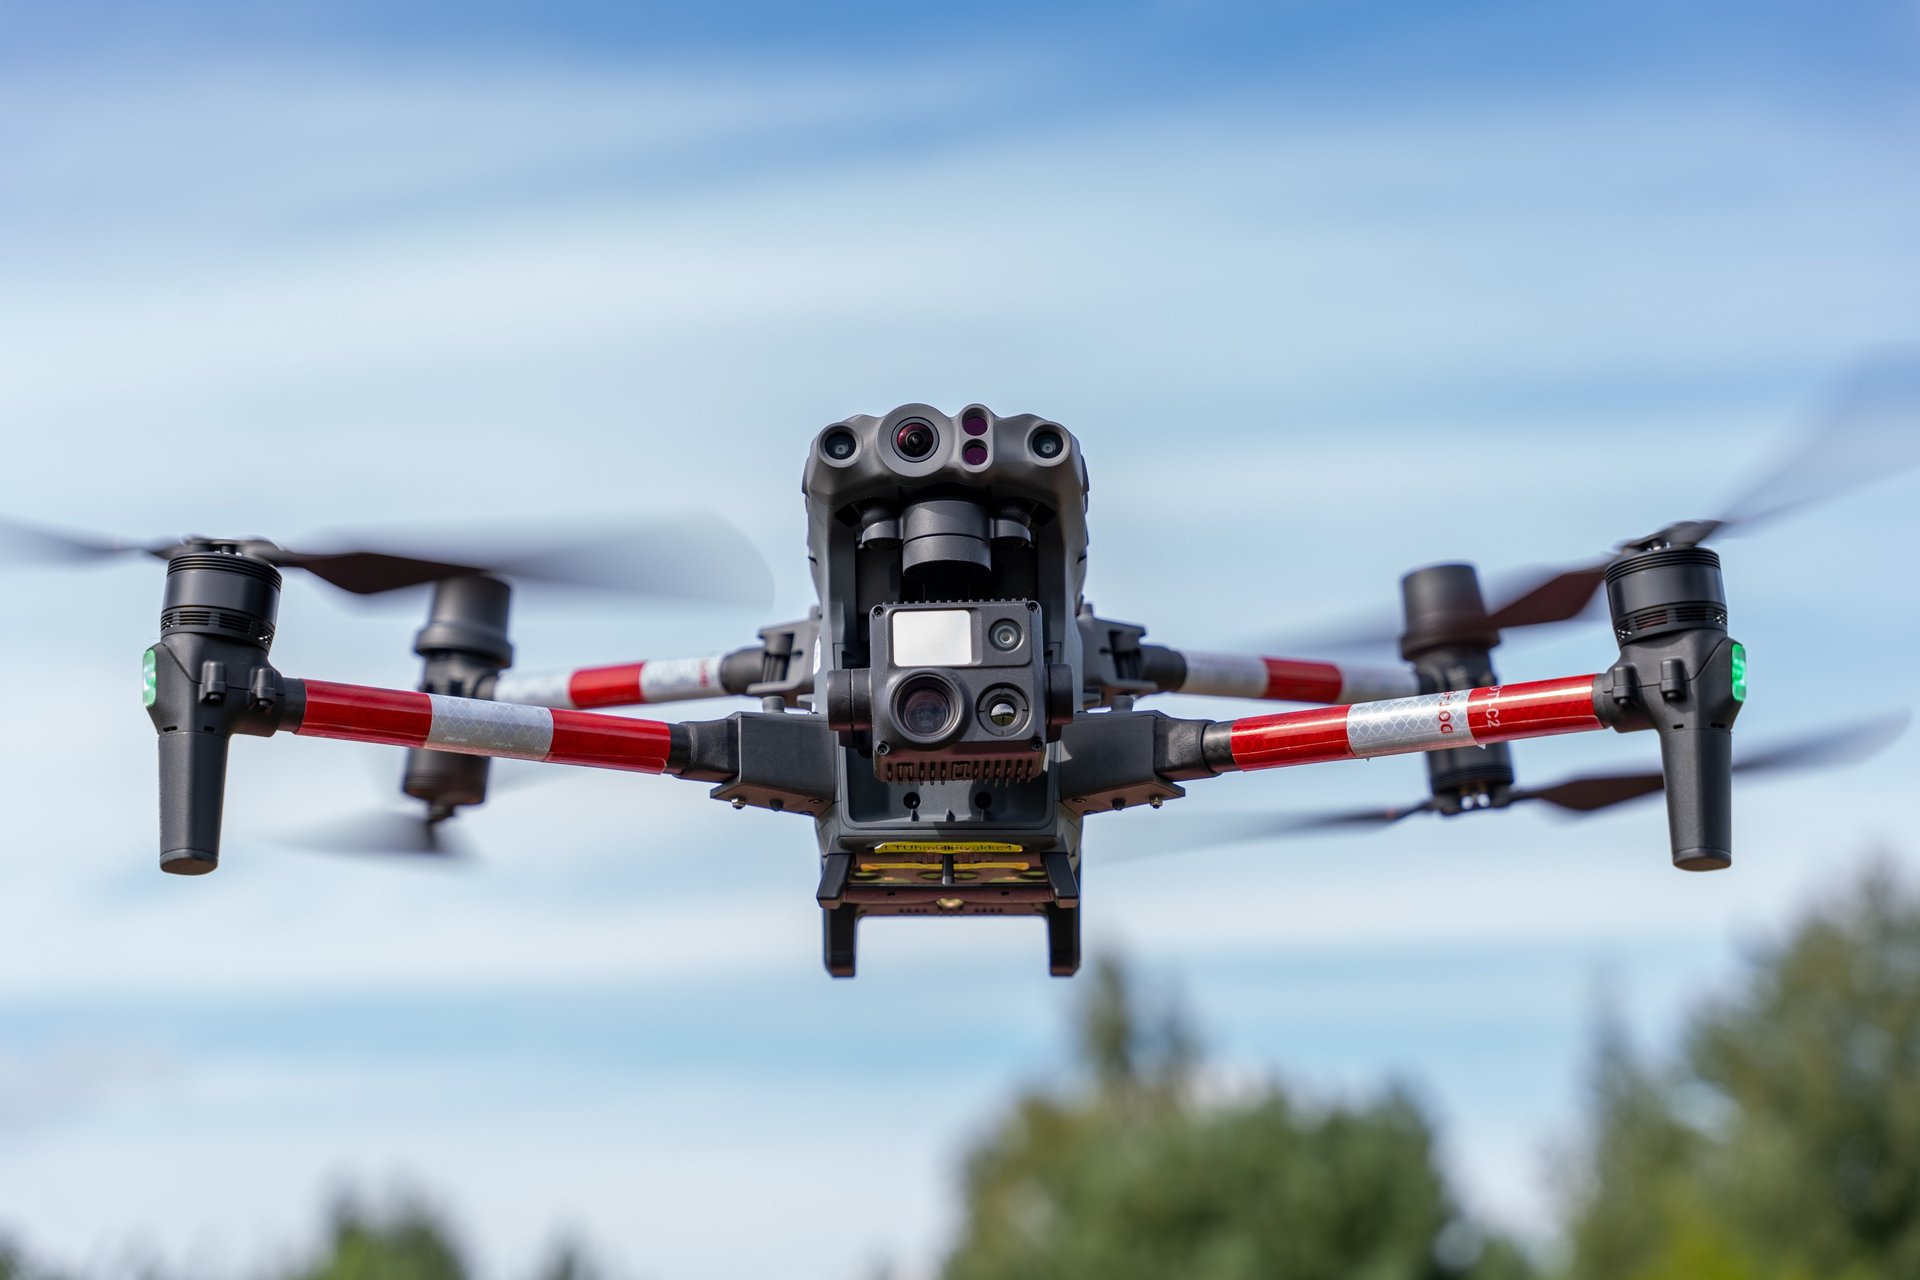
x,y
952,711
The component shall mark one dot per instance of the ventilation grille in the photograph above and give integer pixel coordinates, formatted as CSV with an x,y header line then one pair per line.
x,y
995,769
1647,619
238,624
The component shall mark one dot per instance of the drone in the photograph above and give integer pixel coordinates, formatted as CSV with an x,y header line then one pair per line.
x,y
952,711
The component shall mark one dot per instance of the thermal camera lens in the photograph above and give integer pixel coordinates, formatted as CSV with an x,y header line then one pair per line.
x,y
926,709
1048,443
839,445
1003,713
914,440
1005,634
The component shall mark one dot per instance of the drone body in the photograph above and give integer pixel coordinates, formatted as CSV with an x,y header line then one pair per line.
x,y
952,711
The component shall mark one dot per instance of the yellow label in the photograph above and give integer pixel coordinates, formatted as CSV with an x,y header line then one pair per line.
x,y
969,868
945,846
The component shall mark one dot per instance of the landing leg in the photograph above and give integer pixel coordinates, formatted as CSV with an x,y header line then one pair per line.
x,y
836,935
1063,940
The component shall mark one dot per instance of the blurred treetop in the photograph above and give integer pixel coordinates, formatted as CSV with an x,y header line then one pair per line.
x,y
1135,1172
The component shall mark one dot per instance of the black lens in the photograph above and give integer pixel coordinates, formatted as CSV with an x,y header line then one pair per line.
x,y
1048,444
1005,634
839,445
914,440
927,709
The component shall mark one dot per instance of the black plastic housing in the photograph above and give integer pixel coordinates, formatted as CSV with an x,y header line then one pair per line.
x,y
981,672
1676,675
207,679
1450,643
465,646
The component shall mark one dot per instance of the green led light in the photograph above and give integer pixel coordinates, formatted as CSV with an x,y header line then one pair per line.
x,y
1739,673
150,679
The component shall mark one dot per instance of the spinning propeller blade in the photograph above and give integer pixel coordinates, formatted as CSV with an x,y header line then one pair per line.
x,y
698,556
418,831
1869,431
22,543
1849,744
386,832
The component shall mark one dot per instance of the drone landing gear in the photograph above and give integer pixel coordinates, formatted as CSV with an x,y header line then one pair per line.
x,y
836,937
1063,940
838,924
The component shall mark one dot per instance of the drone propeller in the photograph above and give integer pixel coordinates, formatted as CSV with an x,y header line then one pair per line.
x,y
388,832
698,556
1849,744
1239,829
1869,431
420,830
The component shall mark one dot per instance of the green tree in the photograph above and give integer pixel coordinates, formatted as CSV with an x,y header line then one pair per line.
x,y
1132,1173
411,1243
569,1260
1785,1141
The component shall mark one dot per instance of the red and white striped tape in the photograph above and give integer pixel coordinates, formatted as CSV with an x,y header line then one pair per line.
x,y
1430,722
1234,675
623,685
473,726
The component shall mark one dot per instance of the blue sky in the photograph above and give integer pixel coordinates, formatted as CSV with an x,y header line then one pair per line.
x,y
1327,291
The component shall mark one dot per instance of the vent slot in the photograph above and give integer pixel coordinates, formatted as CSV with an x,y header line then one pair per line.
x,y
237,624
1646,619
994,769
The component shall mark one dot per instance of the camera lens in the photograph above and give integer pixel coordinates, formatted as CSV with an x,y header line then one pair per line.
x,y
1005,634
839,445
1047,443
1003,710
914,440
926,709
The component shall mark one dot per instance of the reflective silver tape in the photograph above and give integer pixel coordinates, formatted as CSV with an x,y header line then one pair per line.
x,y
535,688
678,678
1224,675
1409,724
1371,684
490,728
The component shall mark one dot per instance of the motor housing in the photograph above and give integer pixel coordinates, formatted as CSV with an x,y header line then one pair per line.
x,y
1682,675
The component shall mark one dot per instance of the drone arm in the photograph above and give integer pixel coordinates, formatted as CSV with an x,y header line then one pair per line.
x,y
780,666
633,683
770,760
1127,758
1120,664
1232,675
474,726
1427,722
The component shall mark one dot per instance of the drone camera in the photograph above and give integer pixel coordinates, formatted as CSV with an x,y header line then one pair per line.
x,y
915,439
957,691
